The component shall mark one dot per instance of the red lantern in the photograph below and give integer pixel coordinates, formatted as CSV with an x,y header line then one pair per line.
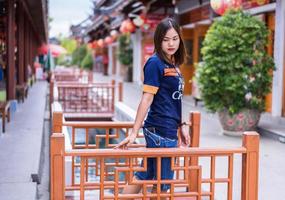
x,y
108,40
221,6
123,27
127,26
130,26
236,4
94,44
100,43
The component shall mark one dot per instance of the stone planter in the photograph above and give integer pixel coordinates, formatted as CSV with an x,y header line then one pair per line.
x,y
235,125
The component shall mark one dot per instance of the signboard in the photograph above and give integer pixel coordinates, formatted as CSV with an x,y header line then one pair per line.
x,y
147,51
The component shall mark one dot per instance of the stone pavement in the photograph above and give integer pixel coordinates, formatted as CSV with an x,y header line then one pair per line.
x,y
272,152
21,147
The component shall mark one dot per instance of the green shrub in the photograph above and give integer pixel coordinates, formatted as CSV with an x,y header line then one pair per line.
x,y
125,51
79,54
87,62
236,72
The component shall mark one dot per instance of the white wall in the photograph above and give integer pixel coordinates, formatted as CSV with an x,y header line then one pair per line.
x,y
277,85
110,56
137,51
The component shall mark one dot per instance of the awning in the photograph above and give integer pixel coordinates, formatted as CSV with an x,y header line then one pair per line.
x,y
56,50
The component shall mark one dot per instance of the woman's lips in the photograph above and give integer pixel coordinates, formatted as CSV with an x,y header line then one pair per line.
x,y
171,49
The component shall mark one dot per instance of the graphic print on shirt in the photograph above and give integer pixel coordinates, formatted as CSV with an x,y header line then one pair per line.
x,y
176,95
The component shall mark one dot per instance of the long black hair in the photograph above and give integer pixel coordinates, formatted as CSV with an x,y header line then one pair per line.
x,y
159,34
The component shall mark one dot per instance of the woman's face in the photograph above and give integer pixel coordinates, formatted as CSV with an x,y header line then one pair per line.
x,y
170,42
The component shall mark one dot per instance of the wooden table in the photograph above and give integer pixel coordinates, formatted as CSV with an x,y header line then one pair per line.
x,y
5,112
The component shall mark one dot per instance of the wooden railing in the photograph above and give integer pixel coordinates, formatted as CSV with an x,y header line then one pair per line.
x,y
108,178
124,163
97,99
110,131
72,75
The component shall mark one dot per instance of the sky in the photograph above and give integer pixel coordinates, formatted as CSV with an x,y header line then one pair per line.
x,y
66,13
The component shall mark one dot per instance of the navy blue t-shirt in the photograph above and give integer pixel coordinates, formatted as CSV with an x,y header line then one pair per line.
x,y
164,80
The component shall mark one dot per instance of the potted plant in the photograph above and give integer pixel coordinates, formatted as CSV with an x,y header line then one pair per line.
x,y
236,72
125,55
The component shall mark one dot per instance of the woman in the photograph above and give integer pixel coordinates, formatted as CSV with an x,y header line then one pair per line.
x,y
162,93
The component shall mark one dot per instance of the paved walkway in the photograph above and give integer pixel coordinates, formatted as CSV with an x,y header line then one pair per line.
x,y
272,152
20,147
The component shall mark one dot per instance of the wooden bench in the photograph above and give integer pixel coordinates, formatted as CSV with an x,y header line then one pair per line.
x,y
22,92
5,112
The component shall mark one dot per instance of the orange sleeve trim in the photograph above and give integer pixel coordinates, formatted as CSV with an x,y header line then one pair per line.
x,y
150,89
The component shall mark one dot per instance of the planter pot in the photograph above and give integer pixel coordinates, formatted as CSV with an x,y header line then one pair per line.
x,y
235,125
128,76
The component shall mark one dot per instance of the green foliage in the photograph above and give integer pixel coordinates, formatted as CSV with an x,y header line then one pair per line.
x,y
79,54
125,51
63,60
68,44
87,62
236,72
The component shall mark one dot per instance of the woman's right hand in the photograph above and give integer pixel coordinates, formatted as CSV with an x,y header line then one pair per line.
x,y
127,141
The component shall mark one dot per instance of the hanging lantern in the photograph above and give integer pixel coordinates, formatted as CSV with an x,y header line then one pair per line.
x,y
236,4
108,40
94,44
114,34
100,43
127,26
123,28
130,26
221,6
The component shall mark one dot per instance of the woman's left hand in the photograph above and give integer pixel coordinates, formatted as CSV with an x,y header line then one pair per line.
x,y
184,137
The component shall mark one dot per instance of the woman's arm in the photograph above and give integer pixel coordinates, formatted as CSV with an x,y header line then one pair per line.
x,y
144,105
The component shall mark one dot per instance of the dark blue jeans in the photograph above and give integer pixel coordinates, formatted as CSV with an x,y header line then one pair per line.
x,y
153,140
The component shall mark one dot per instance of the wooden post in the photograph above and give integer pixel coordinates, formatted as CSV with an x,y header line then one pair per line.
x,y
51,91
195,118
250,162
57,167
56,122
120,91
51,85
113,95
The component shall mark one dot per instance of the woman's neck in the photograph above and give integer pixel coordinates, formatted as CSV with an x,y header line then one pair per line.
x,y
170,59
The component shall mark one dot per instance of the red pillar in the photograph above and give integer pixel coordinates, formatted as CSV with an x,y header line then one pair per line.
x,y
26,47
21,43
11,50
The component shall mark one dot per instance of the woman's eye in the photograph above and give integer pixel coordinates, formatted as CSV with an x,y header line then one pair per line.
x,y
165,40
175,39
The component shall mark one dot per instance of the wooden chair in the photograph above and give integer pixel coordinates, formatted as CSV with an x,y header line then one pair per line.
x,y
22,92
